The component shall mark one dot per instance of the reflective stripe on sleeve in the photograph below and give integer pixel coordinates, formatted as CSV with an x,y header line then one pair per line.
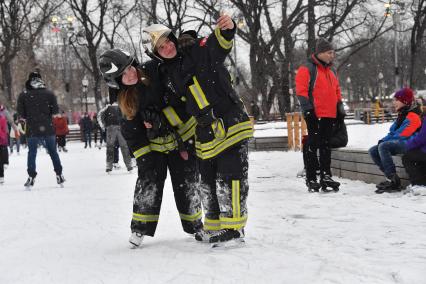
x,y
223,42
198,94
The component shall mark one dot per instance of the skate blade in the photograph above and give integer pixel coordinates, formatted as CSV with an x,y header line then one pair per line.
x,y
27,188
133,246
61,185
232,244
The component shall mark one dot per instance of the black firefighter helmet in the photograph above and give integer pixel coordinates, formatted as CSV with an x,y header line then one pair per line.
x,y
112,64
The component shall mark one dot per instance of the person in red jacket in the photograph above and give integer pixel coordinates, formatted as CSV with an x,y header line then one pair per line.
x,y
319,98
61,130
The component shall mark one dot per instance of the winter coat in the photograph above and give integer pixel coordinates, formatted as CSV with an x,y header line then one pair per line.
x,y
198,73
172,126
4,136
326,92
418,141
86,124
406,124
37,106
61,125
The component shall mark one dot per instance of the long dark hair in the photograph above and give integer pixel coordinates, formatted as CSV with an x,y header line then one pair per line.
x,y
128,98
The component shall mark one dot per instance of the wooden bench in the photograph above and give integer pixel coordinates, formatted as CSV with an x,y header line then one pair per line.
x,y
357,165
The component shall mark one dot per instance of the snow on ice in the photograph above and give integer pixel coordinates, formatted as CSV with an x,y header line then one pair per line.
x,y
79,233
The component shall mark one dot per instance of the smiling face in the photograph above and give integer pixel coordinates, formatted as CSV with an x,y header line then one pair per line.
x,y
167,49
397,104
130,76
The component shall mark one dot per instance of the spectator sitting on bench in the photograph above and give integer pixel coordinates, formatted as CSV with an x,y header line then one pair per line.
x,y
405,125
415,161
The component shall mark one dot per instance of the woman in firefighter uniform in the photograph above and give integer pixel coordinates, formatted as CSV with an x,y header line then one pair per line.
x,y
197,73
160,137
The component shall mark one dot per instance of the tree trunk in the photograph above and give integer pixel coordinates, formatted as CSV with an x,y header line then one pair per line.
x,y
7,81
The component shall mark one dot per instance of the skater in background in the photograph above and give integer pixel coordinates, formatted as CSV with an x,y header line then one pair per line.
x,y
97,130
4,136
414,160
407,123
318,91
161,139
109,119
61,130
37,105
193,70
15,137
87,125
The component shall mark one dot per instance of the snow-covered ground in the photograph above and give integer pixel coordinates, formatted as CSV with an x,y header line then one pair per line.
x,y
79,233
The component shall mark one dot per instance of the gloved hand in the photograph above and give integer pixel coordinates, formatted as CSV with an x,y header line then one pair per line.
x,y
341,113
154,119
186,40
206,119
380,141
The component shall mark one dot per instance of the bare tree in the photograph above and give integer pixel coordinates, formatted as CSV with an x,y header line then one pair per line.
x,y
21,22
91,15
418,8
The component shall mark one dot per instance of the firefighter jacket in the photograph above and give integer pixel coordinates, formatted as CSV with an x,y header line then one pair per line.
x,y
325,91
198,73
171,124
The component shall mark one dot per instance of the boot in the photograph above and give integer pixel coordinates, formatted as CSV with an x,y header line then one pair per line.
x,y
313,185
204,235
327,181
136,239
393,186
225,235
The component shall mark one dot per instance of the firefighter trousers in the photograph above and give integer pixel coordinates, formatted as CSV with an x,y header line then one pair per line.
x,y
224,188
149,193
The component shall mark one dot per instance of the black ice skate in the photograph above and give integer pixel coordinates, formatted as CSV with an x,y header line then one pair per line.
x,y
222,238
327,182
29,183
204,235
60,180
393,186
313,185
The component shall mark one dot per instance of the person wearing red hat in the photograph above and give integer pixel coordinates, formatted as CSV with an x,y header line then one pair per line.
x,y
405,126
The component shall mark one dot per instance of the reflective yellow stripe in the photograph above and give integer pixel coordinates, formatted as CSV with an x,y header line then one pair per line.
x,y
236,206
198,94
218,129
172,116
233,223
145,217
211,224
223,42
235,134
192,217
168,143
246,125
142,151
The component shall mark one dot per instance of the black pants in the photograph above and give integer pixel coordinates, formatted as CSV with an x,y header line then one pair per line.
x,y
4,159
60,140
414,162
319,134
149,193
224,188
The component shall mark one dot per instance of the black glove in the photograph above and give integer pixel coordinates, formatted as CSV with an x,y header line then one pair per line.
x,y
206,119
186,41
341,113
154,118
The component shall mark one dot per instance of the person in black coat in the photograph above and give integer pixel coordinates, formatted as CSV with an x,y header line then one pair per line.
x,y
37,105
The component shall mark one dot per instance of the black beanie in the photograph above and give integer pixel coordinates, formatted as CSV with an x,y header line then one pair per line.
x,y
323,45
